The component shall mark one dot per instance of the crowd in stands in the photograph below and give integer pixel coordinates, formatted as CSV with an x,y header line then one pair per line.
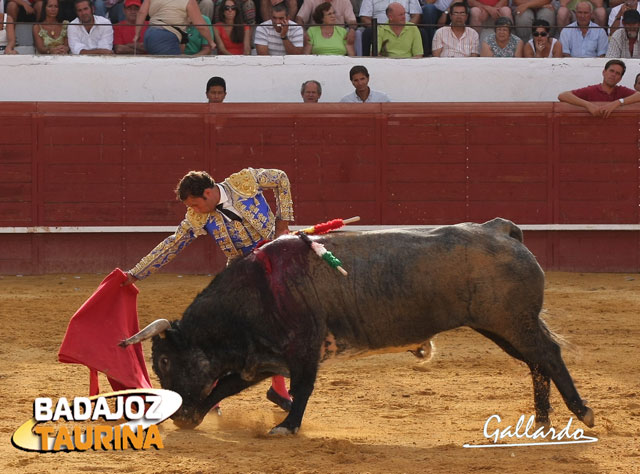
x,y
405,28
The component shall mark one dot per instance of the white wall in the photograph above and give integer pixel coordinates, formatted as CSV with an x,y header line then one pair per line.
x,y
278,79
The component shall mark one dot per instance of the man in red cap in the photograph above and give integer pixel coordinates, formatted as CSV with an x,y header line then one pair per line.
x,y
124,31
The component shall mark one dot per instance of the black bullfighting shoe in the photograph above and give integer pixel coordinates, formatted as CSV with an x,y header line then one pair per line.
x,y
278,399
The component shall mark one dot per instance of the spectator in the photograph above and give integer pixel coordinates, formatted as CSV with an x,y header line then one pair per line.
x,y
636,84
24,10
457,40
433,14
232,36
112,10
360,79
327,38
248,12
50,35
343,10
7,35
502,43
280,35
567,12
196,44
481,11
615,17
624,42
207,8
526,11
124,31
216,90
399,39
378,9
267,6
584,39
542,45
161,37
89,33
609,91
311,91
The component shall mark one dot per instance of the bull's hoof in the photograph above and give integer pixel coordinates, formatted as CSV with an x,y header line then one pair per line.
x,y
588,418
282,431
185,424
278,399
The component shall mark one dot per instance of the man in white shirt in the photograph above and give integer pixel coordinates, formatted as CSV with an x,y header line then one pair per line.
x,y
360,79
615,17
88,33
280,35
457,40
378,9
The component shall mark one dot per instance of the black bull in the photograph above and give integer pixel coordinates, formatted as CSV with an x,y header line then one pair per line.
x,y
282,310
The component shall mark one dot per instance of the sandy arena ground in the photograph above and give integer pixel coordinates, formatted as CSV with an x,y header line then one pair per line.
x,y
381,414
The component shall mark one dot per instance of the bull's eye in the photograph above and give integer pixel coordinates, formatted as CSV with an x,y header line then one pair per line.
x,y
164,364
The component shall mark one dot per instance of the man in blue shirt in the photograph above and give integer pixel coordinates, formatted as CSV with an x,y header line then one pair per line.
x,y
584,38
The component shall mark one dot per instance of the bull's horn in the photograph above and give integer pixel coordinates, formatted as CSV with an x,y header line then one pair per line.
x,y
157,327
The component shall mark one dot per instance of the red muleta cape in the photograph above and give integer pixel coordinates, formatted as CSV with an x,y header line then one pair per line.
x,y
106,318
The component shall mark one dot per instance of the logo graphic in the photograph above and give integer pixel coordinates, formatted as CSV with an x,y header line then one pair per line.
x,y
144,409
529,432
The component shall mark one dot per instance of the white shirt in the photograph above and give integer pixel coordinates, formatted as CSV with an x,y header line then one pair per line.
x,y
266,35
378,8
614,14
226,202
374,96
99,37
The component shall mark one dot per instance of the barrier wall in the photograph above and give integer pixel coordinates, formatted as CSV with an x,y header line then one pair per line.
x,y
105,166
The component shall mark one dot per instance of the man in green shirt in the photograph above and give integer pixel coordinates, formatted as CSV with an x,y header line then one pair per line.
x,y
197,45
399,38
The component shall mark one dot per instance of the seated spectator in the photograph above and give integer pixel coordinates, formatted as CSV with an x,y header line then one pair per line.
x,y
502,43
112,10
232,36
124,31
528,10
267,6
624,42
207,8
343,10
587,41
615,17
280,35
432,14
89,33
248,12
328,38
196,44
216,90
311,92
7,35
608,91
456,40
360,79
163,39
567,12
636,84
542,45
399,39
377,9
482,11
24,10
50,35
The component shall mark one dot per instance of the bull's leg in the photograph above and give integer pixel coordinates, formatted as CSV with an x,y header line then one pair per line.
x,y
302,382
226,387
540,381
541,352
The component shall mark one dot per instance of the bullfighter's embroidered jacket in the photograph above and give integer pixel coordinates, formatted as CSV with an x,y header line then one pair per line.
x,y
235,237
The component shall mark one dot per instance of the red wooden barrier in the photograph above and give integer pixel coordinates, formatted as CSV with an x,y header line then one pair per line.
x,y
70,164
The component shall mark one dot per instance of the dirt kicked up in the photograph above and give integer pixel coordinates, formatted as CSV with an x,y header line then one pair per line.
x,y
381,414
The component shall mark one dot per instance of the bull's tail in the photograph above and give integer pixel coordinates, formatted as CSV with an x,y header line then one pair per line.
x,y
505,226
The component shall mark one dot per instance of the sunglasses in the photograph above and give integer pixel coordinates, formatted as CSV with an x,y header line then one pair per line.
x,y
229,8
539,33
